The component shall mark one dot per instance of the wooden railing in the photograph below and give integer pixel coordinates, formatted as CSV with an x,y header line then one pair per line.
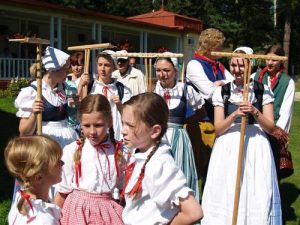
x,y
14,67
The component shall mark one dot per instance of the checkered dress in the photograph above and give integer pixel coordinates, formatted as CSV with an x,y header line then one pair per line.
x,y
82,208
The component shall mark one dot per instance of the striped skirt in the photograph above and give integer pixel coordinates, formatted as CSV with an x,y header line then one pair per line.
x,y
82,208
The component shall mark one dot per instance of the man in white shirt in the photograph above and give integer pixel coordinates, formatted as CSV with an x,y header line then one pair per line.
x,y
131,77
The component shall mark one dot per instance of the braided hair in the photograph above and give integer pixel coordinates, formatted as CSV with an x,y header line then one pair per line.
x,y
145,108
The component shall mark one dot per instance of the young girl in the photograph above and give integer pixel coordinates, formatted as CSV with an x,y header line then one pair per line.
x,y
35,161
259,200
92,169
179,97
53,104
155,188
115,91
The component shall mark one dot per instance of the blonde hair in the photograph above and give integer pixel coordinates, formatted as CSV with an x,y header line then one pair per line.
x,y
33,70
210,39
29,156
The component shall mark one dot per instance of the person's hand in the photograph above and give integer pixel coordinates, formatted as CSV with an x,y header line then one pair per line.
x,y
115,99
218,83
84,79
247,107
37,106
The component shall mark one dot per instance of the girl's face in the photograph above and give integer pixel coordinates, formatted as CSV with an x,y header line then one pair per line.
x,y
136,134
105,69
77,68
237,69
273,65
54,175
95,127
165,73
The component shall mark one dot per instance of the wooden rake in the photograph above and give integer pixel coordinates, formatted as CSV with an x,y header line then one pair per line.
x,y
247,72
87,52
39,42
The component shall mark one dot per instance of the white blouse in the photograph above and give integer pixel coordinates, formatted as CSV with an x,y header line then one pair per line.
x,y
112,90
162,187
236,95
98,170
27,96
195,74
43,213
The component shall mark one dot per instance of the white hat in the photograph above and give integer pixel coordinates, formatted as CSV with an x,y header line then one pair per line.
x,y
246,50
122,52
111,53
54,59
174,60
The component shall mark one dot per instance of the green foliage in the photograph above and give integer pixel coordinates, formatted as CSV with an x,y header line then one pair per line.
x,y
4,209
15,86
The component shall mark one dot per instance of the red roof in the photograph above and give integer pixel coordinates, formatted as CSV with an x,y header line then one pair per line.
x,y
170,19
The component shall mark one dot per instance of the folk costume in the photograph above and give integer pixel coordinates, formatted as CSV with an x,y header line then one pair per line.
x,y
259,202
90,184
202,72
162,186
40,212
109,90
178,99
54,116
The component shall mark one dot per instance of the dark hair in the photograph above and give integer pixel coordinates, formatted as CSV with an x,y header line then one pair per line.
x,y
151,109
77,58
276,49
108,57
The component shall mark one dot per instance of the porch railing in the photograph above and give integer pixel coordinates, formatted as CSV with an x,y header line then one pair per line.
x,y
14,67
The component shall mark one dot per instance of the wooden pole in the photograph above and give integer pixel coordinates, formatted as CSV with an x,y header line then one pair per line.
x,y
182,72
146,72
247,73
87,53
39,86
150,74
39,42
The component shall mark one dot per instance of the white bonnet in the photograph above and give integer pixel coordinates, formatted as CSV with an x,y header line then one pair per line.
x,y
174,60
247,50
111,53
54,59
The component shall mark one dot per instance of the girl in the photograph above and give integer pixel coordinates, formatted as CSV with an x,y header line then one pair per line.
x,y
155,188
115,91
35,161
259,201
92,169
178,97
54,103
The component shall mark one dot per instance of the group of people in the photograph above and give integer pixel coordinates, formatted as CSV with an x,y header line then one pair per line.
x,y
137,156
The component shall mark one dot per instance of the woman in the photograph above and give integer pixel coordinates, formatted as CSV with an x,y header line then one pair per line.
x,y
115,91
259,201
178,97
53,104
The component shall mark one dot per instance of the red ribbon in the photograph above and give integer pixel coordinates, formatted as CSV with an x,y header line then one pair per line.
x,y
104,90
26,196
214,64
128,174
167,96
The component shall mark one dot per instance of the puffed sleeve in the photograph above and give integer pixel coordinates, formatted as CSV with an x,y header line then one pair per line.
x,y
65,186
127,94
268,95
217,99
194,98
166,183
24,102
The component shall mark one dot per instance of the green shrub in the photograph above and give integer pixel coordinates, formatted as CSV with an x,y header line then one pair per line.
x,y
4,209
15,86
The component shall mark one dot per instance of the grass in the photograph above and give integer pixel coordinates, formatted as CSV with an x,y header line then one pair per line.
x,y
297,85
290,187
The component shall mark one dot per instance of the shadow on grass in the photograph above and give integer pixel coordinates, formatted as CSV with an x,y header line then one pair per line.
x,y
9,129
289,193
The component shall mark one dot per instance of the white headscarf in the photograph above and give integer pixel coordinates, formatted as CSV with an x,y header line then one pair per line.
x,y
54,59
174,60
111,53
247,50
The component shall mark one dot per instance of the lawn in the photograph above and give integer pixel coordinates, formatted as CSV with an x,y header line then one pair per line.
x,y
290,187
